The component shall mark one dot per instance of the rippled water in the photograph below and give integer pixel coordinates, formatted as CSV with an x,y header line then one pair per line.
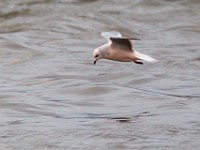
x,y
52,97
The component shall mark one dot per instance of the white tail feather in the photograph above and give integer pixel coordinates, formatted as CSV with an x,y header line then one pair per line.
x,y
144,57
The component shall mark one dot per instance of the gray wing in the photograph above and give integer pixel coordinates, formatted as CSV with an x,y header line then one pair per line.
x,y
122,43
108,35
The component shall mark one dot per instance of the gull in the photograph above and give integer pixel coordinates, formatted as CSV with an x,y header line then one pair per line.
x,y
119,48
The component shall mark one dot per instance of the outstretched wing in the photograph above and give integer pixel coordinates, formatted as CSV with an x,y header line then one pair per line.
x,y
108,35
122,43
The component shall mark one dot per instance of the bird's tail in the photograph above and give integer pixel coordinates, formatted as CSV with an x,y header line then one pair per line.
x,y
144,57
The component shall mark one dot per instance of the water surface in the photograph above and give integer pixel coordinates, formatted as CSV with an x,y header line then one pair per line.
x,y
52,97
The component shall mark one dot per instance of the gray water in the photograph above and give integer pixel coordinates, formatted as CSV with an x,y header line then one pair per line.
x,y
53,98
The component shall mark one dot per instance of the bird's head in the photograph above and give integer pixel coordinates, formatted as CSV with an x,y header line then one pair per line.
x,y
97,54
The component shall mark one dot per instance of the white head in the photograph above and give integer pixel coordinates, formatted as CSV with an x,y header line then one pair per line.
x,y
100,52
97,54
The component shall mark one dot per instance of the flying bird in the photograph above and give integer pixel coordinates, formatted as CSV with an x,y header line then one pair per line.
x,y
119,48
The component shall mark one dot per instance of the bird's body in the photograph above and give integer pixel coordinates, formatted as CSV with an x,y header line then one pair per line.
x,y
120,49
116,54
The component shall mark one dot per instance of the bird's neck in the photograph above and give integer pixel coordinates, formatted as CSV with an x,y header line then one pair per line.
x,y
104,49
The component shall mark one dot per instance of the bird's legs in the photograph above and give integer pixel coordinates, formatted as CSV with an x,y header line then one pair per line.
x,y
138,62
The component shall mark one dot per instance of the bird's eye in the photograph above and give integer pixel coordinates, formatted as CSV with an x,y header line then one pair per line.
x,y
96,55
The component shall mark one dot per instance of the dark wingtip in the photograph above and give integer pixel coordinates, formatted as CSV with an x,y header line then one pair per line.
x,y
128,38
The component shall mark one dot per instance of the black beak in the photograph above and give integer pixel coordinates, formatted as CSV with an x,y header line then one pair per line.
x,y
95,61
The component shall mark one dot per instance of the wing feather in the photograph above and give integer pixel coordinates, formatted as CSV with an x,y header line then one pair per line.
x,y
108,35
119,43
